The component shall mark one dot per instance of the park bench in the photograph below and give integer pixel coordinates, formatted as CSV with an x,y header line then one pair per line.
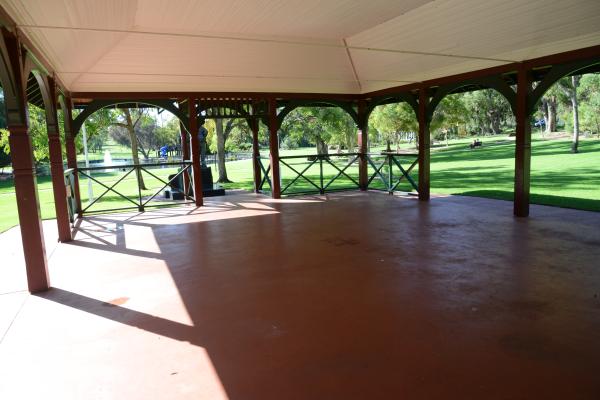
x,y
476,143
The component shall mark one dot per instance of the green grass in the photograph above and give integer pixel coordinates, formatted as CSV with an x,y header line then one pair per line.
x,y
558,177
117,151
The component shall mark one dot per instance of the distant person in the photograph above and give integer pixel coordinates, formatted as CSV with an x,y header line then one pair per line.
x,y
163,151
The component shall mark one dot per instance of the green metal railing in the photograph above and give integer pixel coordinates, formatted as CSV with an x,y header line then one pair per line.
x,y
133,193
71,199
319,173
265,174
322,173
383,166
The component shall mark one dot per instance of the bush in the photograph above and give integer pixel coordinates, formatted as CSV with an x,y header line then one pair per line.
x,y
4,149
289,143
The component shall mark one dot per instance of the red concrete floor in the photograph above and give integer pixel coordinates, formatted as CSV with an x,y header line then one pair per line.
x,y
352,296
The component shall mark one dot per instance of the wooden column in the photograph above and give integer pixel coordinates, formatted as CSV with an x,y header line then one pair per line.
x,y
253,122
363,138
523,145
274,149
67,107
185,155
56,165
196,170
21,151
424,145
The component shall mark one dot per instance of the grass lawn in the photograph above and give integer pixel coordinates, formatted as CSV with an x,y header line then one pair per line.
x,y
117,151
558,177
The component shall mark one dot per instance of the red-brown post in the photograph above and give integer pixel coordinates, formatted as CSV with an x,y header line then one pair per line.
x,y
424,144
274,149
21,151
196,170
185,156
56,165
253,122
363,137
523,145
70,147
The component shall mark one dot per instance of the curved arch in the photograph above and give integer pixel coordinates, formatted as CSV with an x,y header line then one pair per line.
x,y
300,103
62,101
13,97
47,94
492,82
554,75
28,66
100,104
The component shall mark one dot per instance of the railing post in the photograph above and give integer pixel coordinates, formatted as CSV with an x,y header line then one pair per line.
x,y
363,138
321,190
274,149
424,144
196,170
138,173
71,150
185,155
255,154
59,189
390,175
522,145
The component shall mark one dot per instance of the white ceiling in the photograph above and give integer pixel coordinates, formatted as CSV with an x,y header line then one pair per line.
x,y
328,46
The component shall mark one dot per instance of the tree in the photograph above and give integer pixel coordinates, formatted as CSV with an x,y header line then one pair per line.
x,y
569,87
4,146
449,114
223,130
590,99
342,129
124,121
390,120
221,151
548,105
319,126
484,110
4,149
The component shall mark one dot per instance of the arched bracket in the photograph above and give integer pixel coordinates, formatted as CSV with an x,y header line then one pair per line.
x,y
346,106
99,104
554,75
47,93
491,82
14,101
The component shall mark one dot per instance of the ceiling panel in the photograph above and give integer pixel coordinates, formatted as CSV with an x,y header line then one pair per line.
x,y
293,45
141,83
487,29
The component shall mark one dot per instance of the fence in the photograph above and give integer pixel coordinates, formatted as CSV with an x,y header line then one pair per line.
x,y
126,187
319,173
305,174
388,168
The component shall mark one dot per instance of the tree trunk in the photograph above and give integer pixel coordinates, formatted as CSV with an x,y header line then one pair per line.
x,y
496,129
545,111
321,146
221,151
134,148
574,103
551,122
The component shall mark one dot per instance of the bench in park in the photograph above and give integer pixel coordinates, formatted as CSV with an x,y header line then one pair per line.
x,y
476,143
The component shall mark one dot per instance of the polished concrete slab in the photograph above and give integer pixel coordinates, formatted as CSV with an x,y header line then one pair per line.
x,y
352,295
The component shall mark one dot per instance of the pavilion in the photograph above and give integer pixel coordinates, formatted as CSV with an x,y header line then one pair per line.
x,y
258,60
